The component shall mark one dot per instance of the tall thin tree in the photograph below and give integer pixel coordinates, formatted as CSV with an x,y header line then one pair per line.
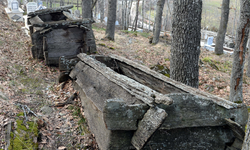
x,y
87,13
128,14
158,20
143,12
185,49
136,16
110,29
239,52
223,27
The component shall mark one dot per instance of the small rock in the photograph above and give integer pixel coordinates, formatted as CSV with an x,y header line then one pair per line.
x,y
46,110
5,28
62,148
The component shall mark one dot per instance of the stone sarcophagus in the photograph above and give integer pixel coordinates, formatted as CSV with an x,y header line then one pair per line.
x,y
56,33
129,106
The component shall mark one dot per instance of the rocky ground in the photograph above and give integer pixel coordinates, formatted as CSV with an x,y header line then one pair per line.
x,y
28,86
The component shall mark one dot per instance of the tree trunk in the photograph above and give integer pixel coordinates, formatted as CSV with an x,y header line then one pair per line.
x,y
143,13
122,23
128,14
223,27
87,13
110,29
158,20
101,9
248,65
136,16
149,27
95,10
62,3
50,1
246,143
124,17
239,53
185,49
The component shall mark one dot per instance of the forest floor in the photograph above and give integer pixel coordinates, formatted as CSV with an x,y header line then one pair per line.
x,y
28,84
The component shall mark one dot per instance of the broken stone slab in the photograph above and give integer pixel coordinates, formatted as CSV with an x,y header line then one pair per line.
x,y
147,126
112,104
50,10
118,115
35,19
63,23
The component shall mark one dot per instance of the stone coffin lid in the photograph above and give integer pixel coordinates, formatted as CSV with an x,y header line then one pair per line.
x,y
50,10
190,108
64,23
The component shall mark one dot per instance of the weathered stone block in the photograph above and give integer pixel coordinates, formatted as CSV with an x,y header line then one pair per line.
x,y
117,95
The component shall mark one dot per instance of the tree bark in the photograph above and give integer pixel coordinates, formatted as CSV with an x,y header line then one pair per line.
x,y
223,27
101,9
136,16
248,65
110,29
143,12
128,14
150,8
185,49
61,2
50,1
87,13
158,20
246,143
239,53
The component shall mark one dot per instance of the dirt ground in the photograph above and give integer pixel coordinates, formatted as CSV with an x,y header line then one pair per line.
x,y
28,82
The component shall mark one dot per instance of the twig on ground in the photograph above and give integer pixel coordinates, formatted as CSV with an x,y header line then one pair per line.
x,y
70,100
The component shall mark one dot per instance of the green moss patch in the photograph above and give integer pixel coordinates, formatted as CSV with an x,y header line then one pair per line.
x,y
22,137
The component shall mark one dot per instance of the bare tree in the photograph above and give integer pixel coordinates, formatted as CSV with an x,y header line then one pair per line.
x,y
239,53
101,9
136,16
223,27
158,20
128,14
185,48
143,12
87,13
110,29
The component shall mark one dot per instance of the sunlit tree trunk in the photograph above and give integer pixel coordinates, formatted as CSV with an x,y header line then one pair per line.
x,y
223,27
158,20
239,53
185,49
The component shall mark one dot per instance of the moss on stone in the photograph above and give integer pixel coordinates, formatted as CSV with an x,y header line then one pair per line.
x,y
238,102
23,137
